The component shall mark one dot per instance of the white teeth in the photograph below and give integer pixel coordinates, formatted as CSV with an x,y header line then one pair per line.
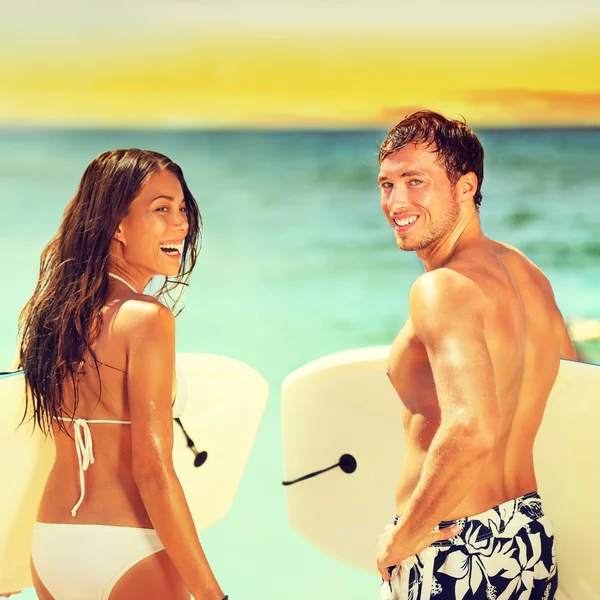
x,y
178,246
403,222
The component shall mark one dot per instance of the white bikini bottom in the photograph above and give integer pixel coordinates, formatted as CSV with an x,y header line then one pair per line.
x,y
84,562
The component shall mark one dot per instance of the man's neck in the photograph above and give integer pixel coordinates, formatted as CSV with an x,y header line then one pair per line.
x,y
466,233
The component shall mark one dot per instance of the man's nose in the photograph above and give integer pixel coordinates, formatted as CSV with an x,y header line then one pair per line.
x,y
397,200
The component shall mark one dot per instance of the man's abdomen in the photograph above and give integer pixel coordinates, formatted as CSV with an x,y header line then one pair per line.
x,y
505,475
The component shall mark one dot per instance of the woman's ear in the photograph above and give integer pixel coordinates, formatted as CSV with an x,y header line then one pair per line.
x,y
118,235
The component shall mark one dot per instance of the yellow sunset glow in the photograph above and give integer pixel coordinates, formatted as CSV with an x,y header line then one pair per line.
x,y
310,76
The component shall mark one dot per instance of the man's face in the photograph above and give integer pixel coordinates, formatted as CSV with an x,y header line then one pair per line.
x,y
417,198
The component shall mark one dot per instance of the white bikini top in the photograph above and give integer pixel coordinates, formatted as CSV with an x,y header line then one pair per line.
x,y
83,435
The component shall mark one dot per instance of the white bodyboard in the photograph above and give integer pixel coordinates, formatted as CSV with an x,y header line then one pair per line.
x,y
344,404
226,400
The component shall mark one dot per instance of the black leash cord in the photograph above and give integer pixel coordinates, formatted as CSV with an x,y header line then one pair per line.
x,y
347,464
200,457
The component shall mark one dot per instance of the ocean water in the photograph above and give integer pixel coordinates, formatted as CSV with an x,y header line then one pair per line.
x,y
298,262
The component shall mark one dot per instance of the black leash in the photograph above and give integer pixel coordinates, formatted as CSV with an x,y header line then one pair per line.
x,y
347,464
199,457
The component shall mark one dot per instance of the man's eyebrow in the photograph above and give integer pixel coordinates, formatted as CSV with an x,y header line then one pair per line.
x,y
383,177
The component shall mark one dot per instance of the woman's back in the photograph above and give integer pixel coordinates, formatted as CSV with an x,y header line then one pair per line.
x,y
111,494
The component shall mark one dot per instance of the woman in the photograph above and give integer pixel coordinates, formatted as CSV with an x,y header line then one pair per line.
x,y
99,362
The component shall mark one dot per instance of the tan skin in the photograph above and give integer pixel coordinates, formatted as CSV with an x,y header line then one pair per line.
x,y
474,363
133,482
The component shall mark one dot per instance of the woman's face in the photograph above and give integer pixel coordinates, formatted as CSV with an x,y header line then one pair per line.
x,y
150,238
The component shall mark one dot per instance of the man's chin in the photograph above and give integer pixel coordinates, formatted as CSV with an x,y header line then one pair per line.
x,y
405,245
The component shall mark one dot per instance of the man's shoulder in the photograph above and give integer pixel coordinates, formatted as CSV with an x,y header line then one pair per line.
x,y
447,304
446,289
454,278
516,260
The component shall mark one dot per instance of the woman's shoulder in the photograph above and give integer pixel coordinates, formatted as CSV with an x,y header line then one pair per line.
x,y
145,315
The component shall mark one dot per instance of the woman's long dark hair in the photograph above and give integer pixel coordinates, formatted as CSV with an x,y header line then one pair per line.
x,y
60,322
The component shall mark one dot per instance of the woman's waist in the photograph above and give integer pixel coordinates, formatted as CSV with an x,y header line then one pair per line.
x,y
111,498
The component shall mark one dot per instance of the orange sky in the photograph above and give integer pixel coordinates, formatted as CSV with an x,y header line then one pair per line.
x,y
175,75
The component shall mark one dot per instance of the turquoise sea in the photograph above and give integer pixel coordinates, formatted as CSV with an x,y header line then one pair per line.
x,y
298,262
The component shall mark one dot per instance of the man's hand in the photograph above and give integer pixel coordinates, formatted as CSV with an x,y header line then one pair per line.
x,y
8,594
393,549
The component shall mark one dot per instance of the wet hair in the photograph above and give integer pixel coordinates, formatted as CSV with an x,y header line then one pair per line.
x,y
60,323
458,148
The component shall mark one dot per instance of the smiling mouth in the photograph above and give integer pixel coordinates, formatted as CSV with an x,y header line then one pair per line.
x,y
172,249
405,222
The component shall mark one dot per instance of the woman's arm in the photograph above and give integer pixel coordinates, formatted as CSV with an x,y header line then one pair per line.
x,y
150,371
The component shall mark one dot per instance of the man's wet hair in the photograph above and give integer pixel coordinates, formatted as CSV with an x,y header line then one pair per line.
x,y
458,148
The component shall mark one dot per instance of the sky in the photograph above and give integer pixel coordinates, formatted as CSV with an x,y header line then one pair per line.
x,y
315,63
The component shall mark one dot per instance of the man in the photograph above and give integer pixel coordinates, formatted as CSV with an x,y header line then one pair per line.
x,y
473,366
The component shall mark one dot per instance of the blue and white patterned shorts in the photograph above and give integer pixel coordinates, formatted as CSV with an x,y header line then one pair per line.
x,y
505,553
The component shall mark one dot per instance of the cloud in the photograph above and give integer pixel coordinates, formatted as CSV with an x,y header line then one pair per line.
x,y
512,107
537,106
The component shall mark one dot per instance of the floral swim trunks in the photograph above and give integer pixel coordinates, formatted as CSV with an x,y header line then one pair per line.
x,y
505,553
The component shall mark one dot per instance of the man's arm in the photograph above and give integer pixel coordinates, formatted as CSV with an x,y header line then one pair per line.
x,y
446,311
567,348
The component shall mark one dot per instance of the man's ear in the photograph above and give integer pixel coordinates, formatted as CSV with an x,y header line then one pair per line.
x,y
467,186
